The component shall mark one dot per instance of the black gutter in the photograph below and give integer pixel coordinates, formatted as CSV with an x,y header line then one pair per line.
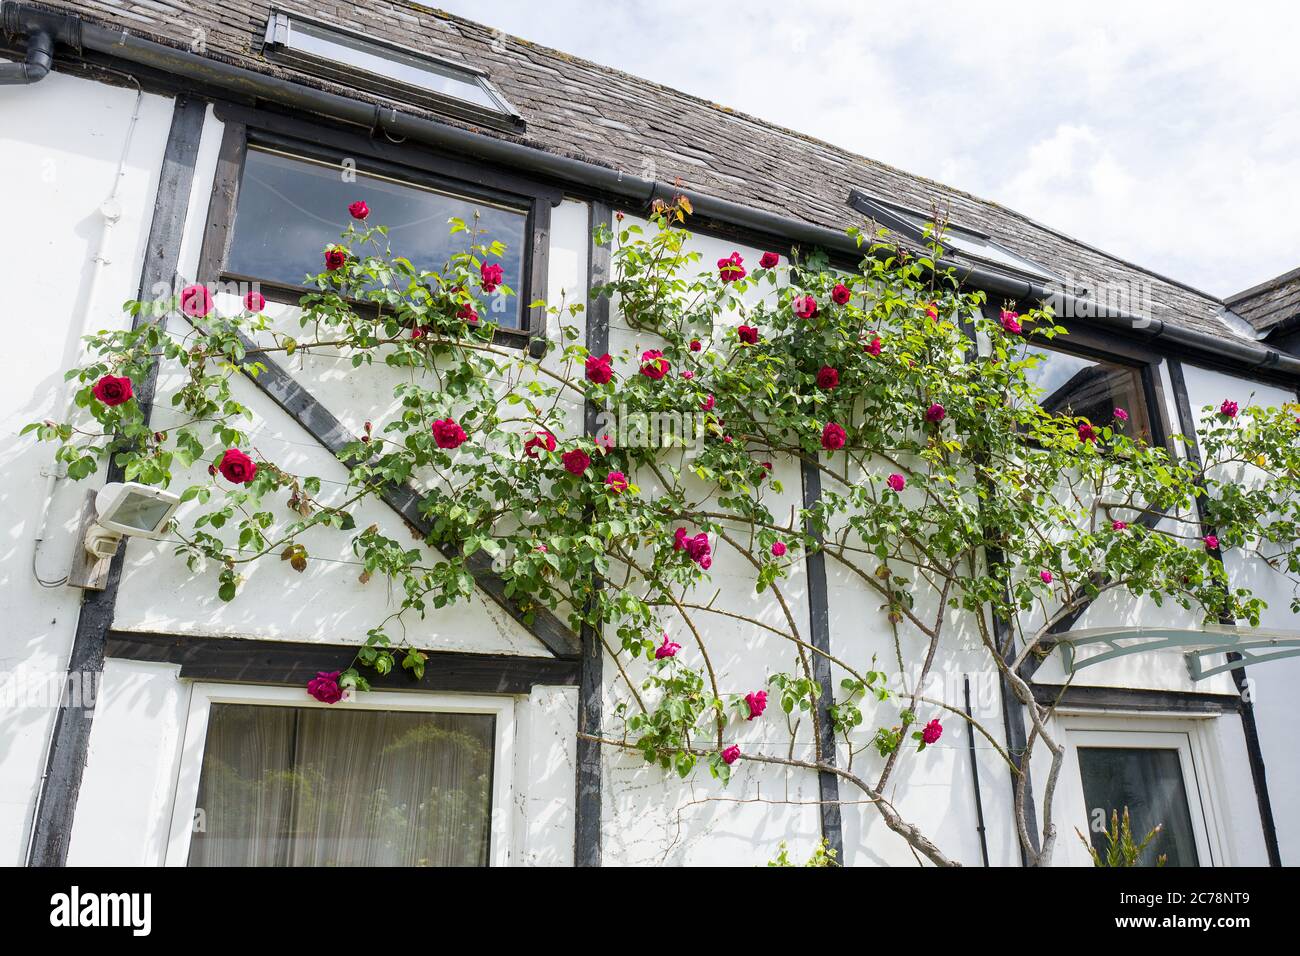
x,y
975,774
42,31
248,83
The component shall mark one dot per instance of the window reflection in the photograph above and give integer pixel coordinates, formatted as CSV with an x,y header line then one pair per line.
x,y
1149,783
290,209
1090,388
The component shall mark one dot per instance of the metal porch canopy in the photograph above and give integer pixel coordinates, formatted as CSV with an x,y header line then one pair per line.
x,y
1255,645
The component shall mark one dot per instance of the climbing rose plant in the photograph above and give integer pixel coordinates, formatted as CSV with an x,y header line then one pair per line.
x,y
950,496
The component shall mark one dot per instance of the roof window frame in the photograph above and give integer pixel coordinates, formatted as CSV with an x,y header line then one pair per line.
x,y
278,47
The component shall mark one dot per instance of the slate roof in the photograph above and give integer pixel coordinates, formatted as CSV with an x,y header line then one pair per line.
x,y
602,115
1270,305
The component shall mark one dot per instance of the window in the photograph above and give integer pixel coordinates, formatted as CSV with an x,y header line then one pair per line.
x,y
1090,388
1163,769
970,242
269,778
1149,784
289,208
389,69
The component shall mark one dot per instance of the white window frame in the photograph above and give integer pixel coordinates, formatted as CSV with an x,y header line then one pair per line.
x,y
204,695
1197,757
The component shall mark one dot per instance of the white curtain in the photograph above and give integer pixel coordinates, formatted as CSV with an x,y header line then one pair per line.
x,y
305,786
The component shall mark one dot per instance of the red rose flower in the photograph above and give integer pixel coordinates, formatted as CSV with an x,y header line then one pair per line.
x,y
731,755
325,687
576,462
1087,433
747,334
828,377
805,306
335,259
1118,526
255,301
833,436
1228,409
840,295
896,482
467,313
757,701
600,368
538,440
778,549
359,209
492,276
874,348
113,390
196,301
731,268
236,467
936,413
695,345
447,433
770,260
653,364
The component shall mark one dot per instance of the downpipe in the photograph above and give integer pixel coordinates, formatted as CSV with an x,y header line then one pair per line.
x,y
42,30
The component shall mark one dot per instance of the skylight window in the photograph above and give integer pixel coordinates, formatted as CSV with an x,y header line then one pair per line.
x,y
396,72
967,242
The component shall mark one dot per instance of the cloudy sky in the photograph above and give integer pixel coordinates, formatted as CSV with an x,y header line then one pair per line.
x,y
1168,134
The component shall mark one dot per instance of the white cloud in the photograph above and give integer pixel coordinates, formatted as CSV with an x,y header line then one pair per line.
x,y
1166,133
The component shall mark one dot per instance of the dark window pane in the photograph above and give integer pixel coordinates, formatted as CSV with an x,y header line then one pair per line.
x,y
290,209
1079,386
305,786
1150,783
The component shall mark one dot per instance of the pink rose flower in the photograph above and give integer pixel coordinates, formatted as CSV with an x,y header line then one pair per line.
x,y
491,276
828,377
688,375
1228,409
805,306
707,403
833,437
616,481
537,441
359,209
770,260
778,549
667,649
1011,322
757,701
1045,576
731,755
747,334
1118,526
932,731
196,301
935,413
932,311
255,301
731,268
600,368
1211,542
113,390
653,364
576,462
325,687
1121,414
448,434
897,482
840,295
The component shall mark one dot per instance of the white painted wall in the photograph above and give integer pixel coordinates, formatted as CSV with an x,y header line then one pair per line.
x,y
1273,684
61,142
